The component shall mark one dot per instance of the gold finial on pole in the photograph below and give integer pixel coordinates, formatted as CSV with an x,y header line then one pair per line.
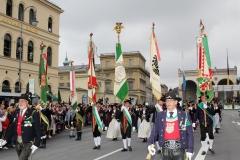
x,y
153,25
71,63
118,29
201,28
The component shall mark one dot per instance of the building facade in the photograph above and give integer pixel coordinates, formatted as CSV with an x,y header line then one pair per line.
x,y
219,78
137,77
13,13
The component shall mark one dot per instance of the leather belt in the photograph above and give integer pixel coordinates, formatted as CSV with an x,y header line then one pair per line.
x,y
172,144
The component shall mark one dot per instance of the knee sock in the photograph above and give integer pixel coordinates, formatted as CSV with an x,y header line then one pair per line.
x,y
204,148
210,143
125,143
129,141
99,140
95,141
158,147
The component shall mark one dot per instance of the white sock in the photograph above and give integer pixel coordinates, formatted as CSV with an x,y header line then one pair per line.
x,y
129,141
210,143
159,148
99,140
71,133
207,137
95,141
125,143
204,145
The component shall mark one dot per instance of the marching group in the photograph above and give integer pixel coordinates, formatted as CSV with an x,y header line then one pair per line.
x,y
167,124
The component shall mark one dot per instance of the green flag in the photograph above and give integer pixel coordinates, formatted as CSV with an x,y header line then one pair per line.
x,y
120,84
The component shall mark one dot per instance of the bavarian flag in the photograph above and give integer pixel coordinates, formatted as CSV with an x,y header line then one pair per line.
x,y
73,94
43,78
120,84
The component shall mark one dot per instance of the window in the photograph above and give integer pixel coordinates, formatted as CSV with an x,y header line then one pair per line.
x,y
61,78
17,86
68,84
107,75
49,24
7,45
6,86
9,8
130,85
61,84
31,16
130,74
30,51
19,48
130,62
20,12
107,86
107,64
49,56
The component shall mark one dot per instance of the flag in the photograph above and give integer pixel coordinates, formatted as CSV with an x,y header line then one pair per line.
x,y
204,66
184,82
92,81
120,84
154,67
43,78
227,71
73,93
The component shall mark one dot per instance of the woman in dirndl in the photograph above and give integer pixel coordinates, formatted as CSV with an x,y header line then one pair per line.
x,y
217,117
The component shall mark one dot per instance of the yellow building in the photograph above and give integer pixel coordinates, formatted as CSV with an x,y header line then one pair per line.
x,y
12,14
137,77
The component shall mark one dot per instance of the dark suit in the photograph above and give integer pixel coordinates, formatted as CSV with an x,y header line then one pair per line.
x,y
147,114
31,134
117,114
186,136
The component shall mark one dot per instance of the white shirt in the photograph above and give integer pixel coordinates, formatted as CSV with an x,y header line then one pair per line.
x,y
23,111
174,113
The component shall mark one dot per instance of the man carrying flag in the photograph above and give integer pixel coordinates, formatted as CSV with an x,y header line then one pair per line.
x,y
121,92
95,110
205,110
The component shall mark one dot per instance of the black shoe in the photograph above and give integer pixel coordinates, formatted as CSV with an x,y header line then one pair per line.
x,y
70,136
44,143
130,148
73,135
77,139
80,135
95,147
124,150
159,151
203,153
212,151
207,142
99,146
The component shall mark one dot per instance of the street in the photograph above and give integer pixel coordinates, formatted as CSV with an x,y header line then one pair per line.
x,y
61,147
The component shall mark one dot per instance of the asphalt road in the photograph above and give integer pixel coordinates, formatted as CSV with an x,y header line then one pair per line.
x,y
61,147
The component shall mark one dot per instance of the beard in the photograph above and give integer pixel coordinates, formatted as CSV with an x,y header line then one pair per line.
x,y
22,107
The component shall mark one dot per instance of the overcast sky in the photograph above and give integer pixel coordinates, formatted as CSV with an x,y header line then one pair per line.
x,y
176,27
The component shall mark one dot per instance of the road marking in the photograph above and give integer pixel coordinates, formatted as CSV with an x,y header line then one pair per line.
x,y
233,122
238,123
108,154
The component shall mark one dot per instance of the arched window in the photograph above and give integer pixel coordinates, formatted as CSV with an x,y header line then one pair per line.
x,y
20,12
7,45
49,24
31,16
30,51
19,48
17,86
9,8
6,86
49,56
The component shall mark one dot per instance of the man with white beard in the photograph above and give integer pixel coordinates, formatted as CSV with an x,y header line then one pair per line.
x,y
25,128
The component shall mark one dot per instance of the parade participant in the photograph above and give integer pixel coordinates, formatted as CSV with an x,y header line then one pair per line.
x,y
115,111
217,117
144,129
25,128
97,116
204,114
155,110
79,121
146,113
126,125
173,130
70,116
138,118
114,128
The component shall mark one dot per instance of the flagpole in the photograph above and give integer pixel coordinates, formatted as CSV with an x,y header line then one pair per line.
x,y
184,90
227,68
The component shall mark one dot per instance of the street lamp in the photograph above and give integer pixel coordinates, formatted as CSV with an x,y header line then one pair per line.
x,y
34,23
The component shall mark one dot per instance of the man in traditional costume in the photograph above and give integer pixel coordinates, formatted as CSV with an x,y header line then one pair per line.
x,y
204,114
173,130
79,121
126,125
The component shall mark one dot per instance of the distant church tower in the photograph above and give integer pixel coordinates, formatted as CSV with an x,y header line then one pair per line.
x,y
66,62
